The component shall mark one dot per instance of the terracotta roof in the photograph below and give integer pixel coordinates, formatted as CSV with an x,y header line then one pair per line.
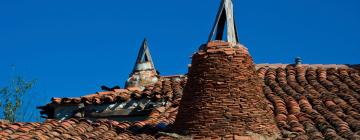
x,y
313,102
164,88
309,102
78,129
168,88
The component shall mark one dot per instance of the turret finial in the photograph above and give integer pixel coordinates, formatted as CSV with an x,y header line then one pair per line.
x,y
144,60
225,18
144,72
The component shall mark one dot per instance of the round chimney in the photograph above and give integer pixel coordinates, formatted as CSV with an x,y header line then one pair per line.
x,y
224,96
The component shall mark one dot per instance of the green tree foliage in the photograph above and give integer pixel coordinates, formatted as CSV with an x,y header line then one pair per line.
x,y
12,103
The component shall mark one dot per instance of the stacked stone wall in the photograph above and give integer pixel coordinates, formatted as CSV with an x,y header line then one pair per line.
x,y
224,96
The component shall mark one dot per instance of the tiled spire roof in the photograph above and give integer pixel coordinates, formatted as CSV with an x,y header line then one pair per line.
x,y
225,18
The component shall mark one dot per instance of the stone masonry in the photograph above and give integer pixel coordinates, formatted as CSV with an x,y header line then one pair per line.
x,y
224,96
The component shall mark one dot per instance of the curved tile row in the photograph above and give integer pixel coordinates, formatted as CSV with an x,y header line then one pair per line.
x,y
314,103
80,129
165,88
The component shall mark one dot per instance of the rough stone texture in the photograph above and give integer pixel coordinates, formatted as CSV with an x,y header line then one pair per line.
x,y
224,95
142,78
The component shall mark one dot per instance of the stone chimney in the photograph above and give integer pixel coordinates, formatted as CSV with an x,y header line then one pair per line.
x,y
224,96
144,72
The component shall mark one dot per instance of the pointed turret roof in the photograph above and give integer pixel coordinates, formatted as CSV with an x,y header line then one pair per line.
x,y
144,56
144,72
225,18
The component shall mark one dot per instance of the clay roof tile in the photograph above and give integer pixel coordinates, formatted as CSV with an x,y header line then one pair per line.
x,y
305,99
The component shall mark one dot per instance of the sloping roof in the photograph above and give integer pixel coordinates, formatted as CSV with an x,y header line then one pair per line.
x,y
164,88
81,129
309,102
168,88
314,102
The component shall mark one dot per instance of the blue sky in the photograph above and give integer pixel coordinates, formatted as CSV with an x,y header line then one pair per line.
x,y
74,47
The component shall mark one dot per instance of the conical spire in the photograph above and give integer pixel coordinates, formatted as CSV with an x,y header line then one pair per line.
x,y
225,18
144,72
144,60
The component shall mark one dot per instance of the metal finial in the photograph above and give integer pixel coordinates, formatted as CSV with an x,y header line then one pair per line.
x,y
298,61
144,56
225,18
